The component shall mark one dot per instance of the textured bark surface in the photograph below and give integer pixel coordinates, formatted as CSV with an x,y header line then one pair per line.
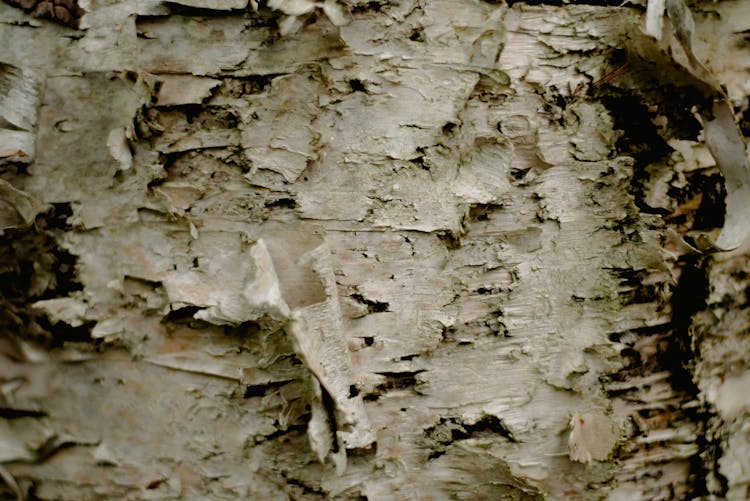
x,y
404,250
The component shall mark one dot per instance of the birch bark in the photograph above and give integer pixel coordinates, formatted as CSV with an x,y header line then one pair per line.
x,y
391,249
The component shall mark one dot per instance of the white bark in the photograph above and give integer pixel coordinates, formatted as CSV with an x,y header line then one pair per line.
x,y
408,250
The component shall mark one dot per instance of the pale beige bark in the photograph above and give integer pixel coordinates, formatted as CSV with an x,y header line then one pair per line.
x,y
406,250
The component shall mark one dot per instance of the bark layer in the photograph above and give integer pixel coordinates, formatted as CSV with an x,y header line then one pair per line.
x,y
414,250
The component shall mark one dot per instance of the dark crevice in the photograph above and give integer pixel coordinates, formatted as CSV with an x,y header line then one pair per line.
x,y
293,429
417,35
452,429
705,464
688,298
26,253
52,446
714,448
372,6
633,290
181,315
311,18
667,347
191,111
286,203
450,240
517,174
372,305
449,128
640,140
488,424
481,212
368,452
63,333
189,11
646,330
168,162
238,87
561,3
155,484
261,390
357,85
14,413
330,407
307,490
33,267
207,117
146,121
398,380
420,162
394,381
745,116
151,284
695,203
490,324
701,202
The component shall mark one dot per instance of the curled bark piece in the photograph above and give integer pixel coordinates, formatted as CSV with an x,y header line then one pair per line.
x,y
727,147
288,279
723,137
318,337
302,260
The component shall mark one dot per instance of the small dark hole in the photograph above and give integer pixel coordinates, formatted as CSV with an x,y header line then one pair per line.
x,y
155,484
417,35
357,85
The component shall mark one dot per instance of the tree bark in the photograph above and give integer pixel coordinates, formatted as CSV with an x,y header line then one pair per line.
x,y
368,250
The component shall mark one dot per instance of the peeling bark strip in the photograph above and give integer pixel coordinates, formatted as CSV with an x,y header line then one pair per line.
x,y
377,250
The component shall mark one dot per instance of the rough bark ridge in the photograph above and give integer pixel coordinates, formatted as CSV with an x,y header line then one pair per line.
x,y
407,250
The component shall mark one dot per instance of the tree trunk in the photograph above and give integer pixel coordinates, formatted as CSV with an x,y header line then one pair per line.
x,y
372,250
